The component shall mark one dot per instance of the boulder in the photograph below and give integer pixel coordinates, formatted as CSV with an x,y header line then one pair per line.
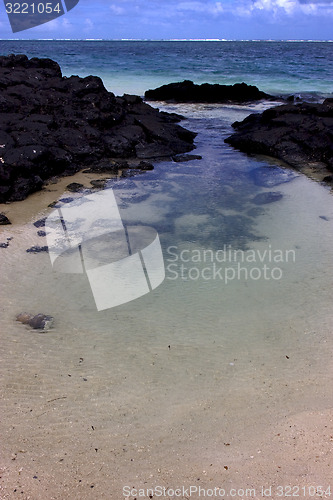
x,y
187,91
51,125
299,134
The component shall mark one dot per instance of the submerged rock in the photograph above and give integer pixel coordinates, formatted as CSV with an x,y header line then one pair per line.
x,y
187,91
271,176
37,322
40,222
268,197
182,158
51,125
299,134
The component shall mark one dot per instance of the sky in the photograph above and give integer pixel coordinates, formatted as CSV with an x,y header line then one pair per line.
x,y
186,19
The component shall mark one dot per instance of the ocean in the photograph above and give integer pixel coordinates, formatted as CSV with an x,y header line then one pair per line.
x,y
134,67
217,374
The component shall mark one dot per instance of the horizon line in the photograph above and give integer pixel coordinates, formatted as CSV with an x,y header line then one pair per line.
x,y
296,40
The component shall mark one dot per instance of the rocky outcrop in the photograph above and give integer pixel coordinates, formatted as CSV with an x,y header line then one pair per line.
x,y
187,91
52,125
299,134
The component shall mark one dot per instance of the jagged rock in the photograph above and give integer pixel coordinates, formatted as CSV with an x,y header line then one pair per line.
x,y
299,134
187,91
52,125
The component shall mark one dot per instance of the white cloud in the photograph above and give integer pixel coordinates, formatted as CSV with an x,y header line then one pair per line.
x,y
196,6
275,5
291,7
115,9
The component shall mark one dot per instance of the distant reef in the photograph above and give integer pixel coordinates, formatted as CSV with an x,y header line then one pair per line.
x,y
299,134
187,91
51,125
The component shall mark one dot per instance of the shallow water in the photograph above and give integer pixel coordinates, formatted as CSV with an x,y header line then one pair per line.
x,y
197,362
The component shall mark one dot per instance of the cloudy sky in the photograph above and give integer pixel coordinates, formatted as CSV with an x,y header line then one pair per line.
x,y
165,19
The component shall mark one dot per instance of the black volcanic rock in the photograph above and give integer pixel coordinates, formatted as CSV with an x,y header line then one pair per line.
x,y
4,221
52,125
187,91
299,134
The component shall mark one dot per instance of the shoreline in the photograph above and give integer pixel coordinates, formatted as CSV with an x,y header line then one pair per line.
x,y
191,385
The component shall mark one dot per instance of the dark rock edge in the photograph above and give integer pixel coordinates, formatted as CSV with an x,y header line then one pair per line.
x,y
301,135
51,125
189,92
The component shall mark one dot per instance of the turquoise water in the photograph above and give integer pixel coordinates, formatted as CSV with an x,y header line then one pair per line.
x,y
133,67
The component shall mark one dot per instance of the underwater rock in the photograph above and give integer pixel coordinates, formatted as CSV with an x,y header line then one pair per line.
x,y
182,158
271,176
40,222
268,197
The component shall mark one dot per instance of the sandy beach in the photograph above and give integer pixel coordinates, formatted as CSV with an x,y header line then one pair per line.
x,y
122,403
200,386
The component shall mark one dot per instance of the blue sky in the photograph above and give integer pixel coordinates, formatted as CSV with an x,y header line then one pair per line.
x,y
165,19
